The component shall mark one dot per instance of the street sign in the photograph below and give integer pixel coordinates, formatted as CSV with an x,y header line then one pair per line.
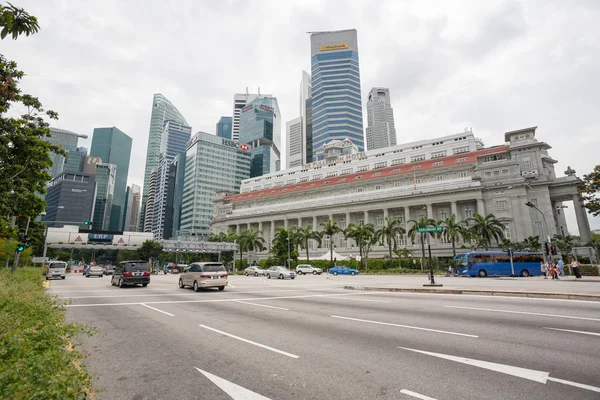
x,y
431,229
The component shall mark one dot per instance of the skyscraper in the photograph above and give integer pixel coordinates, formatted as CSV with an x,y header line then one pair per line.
x,y
175,191
336,96
260,130
70,199
240,100
75,159
132,208
162,110
106,175
225,127
293,132
65,139
381,131
149,211
298,132
114,147
211,164
173,143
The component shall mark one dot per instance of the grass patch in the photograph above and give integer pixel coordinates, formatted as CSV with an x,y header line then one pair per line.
x,y
38,347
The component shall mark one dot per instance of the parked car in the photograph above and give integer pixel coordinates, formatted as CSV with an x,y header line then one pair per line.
x,y
254,270
134,272
95,270
343,270
280,273
204,274
308,269
109,269
56,269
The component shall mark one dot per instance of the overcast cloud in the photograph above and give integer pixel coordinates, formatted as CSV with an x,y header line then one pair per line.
x,y
494,66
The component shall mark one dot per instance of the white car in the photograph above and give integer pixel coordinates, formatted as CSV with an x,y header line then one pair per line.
x,y
254,270
280,273
308,269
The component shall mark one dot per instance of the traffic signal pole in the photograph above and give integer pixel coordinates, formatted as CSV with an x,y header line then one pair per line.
x,y
18,253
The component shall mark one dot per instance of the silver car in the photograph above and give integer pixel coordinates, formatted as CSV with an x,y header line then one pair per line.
x,y
303,269
254,270
280,273
95,271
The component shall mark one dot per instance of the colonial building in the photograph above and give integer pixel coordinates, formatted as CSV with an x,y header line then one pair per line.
x,y
437,178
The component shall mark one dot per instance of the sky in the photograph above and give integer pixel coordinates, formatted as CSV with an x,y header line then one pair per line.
x,y
492,66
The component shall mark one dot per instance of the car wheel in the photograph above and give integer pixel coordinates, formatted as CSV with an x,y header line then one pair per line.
x,y
181,285
112,283
482,273
292,277
196,288
314,272
335,273
101,276
144,284
352,273
121,283
525,273
87,276
299,272
268,276
63,277
281,276
47,278
245,273
221,287
256,274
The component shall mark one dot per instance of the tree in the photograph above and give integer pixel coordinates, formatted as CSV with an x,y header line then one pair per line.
x,y
250,240
453,230
149,250
486,228
388,233
564,243
360,233
330,228
369,239
531,243
304,235
16,21
421,222
282,248
589,187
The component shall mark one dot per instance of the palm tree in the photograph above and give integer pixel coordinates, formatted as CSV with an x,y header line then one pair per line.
x,y
250,240
453,230
330,228
369,239
388,234
532,243
304,235
486,228
422,222
360,233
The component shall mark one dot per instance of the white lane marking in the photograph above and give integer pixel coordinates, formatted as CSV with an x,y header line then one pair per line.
x,y
218,300
190,293
262,305
230,285
572,331
524,313
251,342
416,395
579,385
531,374
156,309
372,301
489,297
236,392
102,290
405,326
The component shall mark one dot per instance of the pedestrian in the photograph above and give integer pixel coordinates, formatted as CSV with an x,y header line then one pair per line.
x,y
575,266
543,269
561,267
555,270
551,269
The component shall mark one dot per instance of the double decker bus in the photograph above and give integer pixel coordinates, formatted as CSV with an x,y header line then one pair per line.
x,y
497,263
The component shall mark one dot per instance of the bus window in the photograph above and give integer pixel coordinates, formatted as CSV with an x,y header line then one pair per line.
x,y
501,258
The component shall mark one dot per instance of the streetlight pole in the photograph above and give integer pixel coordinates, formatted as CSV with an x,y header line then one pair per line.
x,y
289,260
531,205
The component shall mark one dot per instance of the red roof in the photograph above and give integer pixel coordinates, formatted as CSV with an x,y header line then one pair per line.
x,y
395,170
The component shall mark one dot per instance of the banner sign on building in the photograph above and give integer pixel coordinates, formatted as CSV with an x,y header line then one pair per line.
x,y
230,143
330,47
247,108
347,157
266,108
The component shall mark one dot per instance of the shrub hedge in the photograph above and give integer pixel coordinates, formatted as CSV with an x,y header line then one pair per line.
x,y
35,362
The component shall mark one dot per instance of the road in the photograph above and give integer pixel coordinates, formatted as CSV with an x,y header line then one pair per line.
x,y
309,338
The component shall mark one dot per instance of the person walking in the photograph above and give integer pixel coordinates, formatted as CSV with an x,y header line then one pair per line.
x,y
544,269
575,266
561,267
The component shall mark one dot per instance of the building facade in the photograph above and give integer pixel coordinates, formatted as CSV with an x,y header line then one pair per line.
x,y
450,175
70,199
162,110
106,177
381,130
132,207
149,210
298,130
240,100
336,95
175,191
113,146
75,159
260,130
68,141
211,164
295,146
225,127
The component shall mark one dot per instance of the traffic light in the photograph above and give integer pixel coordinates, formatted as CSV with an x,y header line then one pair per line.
x,y
87,223
21,248
546,248
553,250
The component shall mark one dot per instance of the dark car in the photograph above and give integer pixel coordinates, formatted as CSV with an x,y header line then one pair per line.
x,y
135,272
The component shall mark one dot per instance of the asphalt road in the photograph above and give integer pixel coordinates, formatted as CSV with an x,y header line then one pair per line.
x,y
310,339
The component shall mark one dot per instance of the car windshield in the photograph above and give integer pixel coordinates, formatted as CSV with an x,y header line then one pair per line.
x,y
213,268
137,266
58,265
95,268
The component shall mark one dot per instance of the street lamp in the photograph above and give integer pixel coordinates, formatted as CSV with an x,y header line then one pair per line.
x,y
531,205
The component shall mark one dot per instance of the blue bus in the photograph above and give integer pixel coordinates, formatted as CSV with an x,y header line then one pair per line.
x,y
497,263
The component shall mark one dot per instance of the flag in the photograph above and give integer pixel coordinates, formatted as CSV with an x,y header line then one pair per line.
x,y
415,181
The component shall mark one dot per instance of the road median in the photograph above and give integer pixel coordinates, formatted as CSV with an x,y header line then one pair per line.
x,y
480,292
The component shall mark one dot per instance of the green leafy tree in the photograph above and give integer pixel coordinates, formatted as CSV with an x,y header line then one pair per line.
x,y
250,240
531,243
564,243
590,187
388,233
304,235
453,230
421,222
16,21
360,233
486,229
281,248
330,228
369,239
150,250
125,255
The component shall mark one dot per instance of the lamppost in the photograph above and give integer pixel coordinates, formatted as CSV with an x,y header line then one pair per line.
x,y
531,205
289,256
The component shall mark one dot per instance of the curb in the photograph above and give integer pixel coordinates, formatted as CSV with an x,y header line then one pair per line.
x,y
539,295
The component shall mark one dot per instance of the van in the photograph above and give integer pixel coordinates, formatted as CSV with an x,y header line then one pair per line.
x,y
56,269
131,273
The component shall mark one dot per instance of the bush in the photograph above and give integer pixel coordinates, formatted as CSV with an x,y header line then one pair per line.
x,y
35,362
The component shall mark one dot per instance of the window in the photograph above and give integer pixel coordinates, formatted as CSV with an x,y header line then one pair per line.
x,y
420,157
437,164
267,185
462,159
439,178
400,240
380,165
346,171
377,174
497,172
501,205
488,174
462,175
468,212
291,182
342,180
377,187
360,190
361,221
362,168
443,214
505,171
395,171
379,220
459,150
330,174
398,161
507,231
303,179
318,176
438,154
493,157
343,223
527,162
397,184
416,166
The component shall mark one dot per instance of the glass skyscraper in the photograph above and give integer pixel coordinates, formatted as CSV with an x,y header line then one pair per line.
x,y
260,130
162,111
68,141
336,96
114,147
225,127
105,188
211,164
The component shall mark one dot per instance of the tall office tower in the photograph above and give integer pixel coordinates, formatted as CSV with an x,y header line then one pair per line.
x,y
65,139
162,110
149,211
75,159
106,177
70,199
175,192
128,205
336,101
381,131
132,208
260,130
295,146
225,127
298,132
211,164
173,143
114,147
240,100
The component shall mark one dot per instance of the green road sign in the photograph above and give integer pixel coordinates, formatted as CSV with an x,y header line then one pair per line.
x,y
431,229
